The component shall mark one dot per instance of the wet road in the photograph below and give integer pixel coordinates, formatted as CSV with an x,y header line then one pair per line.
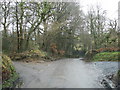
x,y
66,73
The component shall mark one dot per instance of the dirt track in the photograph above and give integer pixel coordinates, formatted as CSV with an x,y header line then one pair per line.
x,y
68,73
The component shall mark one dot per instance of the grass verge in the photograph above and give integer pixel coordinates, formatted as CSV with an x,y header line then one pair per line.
x,y
107,56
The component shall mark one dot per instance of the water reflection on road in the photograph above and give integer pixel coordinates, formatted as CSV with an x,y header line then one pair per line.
x,y
66,73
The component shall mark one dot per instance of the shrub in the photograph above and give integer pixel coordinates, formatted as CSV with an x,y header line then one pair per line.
x,y
39,53
61,52
55,50
53,47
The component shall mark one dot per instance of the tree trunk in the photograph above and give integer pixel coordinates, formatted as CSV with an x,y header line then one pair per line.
x,y
21,29
17,27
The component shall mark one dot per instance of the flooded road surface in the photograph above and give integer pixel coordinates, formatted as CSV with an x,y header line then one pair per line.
x,y
66,73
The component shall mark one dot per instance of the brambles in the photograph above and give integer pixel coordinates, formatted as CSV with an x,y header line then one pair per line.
x,y
112,49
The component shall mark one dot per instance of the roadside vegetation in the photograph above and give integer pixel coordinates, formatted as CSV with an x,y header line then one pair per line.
x,y
103,54
33,55
10,78
107,56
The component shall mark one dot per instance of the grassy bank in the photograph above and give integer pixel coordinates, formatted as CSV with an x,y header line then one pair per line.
x,y
9,75
107,56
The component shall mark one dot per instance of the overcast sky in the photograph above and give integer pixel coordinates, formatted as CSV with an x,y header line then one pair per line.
x,y
110,5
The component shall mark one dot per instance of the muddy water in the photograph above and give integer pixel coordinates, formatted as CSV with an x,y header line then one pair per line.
x,y
66,73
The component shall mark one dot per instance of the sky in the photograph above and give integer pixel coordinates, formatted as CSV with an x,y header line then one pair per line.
x,y
111,6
